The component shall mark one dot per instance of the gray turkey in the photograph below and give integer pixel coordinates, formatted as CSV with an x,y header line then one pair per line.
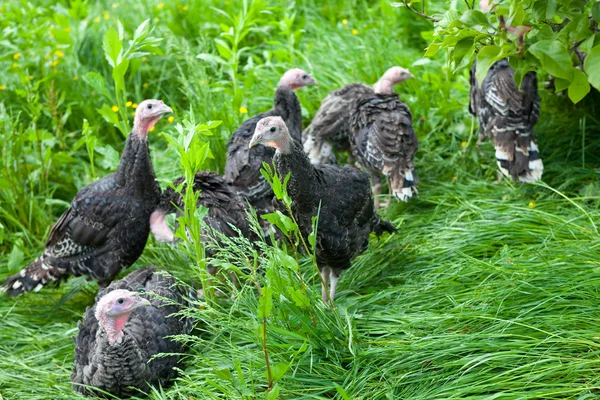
x,y
243,164
330,128
123,331
106,227
347,215
384,141
508,116
226,208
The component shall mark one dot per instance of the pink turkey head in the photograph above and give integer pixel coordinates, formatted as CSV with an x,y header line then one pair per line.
x,y
113,310
147,114
272,132
391,77
296,79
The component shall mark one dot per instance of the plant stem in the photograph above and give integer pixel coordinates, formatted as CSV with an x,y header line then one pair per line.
x,y
264,344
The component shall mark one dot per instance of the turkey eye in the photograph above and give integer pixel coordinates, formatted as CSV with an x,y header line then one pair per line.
x,y
305,76
272,129
149,106
120,301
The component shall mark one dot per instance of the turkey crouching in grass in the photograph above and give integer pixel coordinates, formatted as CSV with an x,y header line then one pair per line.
x,y
508,115
347,215
243,164
124,330
384,141
107,225
330,128
226,208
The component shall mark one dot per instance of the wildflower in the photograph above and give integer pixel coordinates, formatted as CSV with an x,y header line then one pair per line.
x,y
160,5
185,8
115,108
75,78
115,5
171,119
105,15
463,144
243,110
134,106
68,30
453,178
2,87
151,129
16,56
128,104
345,21
97,19
531,204
54,63
59,53
145,85
355,31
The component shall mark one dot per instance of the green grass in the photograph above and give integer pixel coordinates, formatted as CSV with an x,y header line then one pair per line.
x,y
489,290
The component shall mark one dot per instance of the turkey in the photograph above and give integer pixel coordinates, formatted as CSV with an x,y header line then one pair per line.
x,y
243,164
383,140
508,115
347,215
107,225
226,209
124,330
330,128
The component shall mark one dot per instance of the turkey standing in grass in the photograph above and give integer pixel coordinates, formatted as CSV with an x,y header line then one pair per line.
x,y
243,164
347,215
384,141
107,225
226,209
508,115
331,125
126,328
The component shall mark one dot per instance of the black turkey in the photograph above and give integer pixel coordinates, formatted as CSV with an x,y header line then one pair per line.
x,y
330,128
384,141
226,208
107,225
243,164
508,116
347,215
124,330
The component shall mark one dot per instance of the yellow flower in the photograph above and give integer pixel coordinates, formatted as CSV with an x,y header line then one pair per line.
x,y
134,106
151,129
145,85
243,110
171,118
345,21
115,5
2,87
355,31
453,178
59,53
97,19
16,56
128,104
463,144
160,5
531,204
54,63
185,8
105,15
75,78
68,30
115,108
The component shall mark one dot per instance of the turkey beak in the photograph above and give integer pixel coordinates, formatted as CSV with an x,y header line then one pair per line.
x,y
165,109
312,81
255,140
139,302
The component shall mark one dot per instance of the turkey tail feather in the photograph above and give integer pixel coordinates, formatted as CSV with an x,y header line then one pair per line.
x,y
319,151
519,159
404,186
34,277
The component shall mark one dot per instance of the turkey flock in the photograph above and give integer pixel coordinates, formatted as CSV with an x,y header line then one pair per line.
x,y
107,225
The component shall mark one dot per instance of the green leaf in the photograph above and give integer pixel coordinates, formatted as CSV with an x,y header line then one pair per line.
x,y
486,57
579,87
592,67
5,184
596,11
98,83
278,370
474,18
112,46
550,9
554,57
265,303
273,393
142,31
298,297
432,49
561,84
109,115
118,74
15,258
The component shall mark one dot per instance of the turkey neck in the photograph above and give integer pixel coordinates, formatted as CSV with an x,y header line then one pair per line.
x,y
302,186
135,169
287,107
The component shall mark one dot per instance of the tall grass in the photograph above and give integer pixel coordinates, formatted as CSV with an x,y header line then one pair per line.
x,y
489,290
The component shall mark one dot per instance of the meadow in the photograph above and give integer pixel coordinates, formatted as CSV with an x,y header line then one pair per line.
x,y
489,290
